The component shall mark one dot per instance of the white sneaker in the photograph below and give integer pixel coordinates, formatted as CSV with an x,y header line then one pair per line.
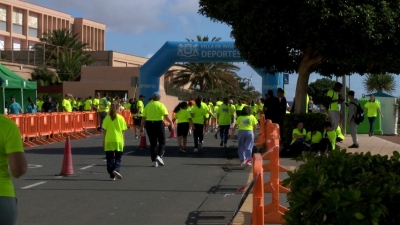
x,y
154,164
195,150
117,175
112,179
190,133
160,161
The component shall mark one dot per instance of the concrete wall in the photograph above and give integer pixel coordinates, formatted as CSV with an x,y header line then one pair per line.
x,y
113,79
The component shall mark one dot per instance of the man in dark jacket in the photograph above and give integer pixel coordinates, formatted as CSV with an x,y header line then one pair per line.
x,y
271,105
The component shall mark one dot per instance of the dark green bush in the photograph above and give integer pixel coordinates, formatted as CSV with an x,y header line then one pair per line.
x,y
344,188
309,120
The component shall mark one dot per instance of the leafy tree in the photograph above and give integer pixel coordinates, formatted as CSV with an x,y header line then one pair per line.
x,y
45,76
327,37
379,83
318,89
64,52
204,76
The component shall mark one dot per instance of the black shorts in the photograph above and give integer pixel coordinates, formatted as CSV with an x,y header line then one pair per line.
x,y
137,121
182,129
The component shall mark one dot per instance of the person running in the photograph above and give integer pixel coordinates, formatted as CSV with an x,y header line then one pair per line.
x,y
12,162
138,115
185,122
114,126
246,123
372,107
224,115
153,118
198,116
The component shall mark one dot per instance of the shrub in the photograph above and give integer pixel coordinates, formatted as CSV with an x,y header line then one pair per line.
x,y
345,189
309,120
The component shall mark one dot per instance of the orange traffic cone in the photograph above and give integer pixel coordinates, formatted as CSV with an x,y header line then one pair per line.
x,y
172,134
143,143
67,168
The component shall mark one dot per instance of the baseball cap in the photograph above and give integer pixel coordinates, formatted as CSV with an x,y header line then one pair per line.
x,y
156,95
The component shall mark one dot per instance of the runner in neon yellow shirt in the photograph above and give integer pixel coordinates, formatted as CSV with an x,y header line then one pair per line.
x,y
198,116
246,123
224,116
372,107
184,123
114,126
66,103
12,160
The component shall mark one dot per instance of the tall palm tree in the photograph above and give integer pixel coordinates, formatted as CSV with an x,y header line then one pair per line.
x,y
204,76
380,83
59,46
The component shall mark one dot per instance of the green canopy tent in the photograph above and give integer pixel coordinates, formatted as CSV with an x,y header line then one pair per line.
x,y
14,85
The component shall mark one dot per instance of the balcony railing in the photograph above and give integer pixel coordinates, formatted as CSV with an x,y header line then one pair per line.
x,y
31,56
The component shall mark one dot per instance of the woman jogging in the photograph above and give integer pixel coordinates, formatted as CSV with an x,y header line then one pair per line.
x,y
199,113
12,163
114,126
372,107
246,123
185,122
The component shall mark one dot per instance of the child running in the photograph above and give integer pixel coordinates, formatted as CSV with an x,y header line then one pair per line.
x,y
184,123
246,123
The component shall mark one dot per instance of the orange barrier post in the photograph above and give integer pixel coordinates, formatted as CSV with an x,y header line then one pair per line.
x,y
90,122
258,191
55,127
78,125
274,211
67,125
44,122
272,140
19,120
32,129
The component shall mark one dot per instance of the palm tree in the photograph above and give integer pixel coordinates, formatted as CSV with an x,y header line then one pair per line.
x,y
45,76
60,46
204,76
380,83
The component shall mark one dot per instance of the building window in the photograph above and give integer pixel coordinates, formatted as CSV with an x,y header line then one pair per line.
x,y
17,19
33,25
3,17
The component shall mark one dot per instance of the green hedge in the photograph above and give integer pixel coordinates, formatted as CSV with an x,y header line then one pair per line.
x,y
309,120
344,188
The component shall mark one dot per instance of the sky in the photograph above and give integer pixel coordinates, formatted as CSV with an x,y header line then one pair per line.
x,y
140,27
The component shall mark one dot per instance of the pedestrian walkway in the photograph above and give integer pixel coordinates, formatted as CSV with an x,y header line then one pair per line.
x,y
372,144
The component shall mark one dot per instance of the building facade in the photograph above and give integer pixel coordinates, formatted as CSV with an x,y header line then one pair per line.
x,y
23,23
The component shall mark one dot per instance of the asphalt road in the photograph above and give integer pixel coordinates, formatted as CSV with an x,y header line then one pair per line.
x,y
192,188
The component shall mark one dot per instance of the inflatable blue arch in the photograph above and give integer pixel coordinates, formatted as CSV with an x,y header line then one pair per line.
x,y
172,52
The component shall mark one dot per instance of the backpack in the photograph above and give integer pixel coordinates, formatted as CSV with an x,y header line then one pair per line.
x,y
134,107
359,117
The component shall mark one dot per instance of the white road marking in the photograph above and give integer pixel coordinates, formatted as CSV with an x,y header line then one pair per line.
x,y
127,153
33,166
33,185
87,167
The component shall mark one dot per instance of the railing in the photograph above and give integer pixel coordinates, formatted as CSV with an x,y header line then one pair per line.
x,y
38,56
45,128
